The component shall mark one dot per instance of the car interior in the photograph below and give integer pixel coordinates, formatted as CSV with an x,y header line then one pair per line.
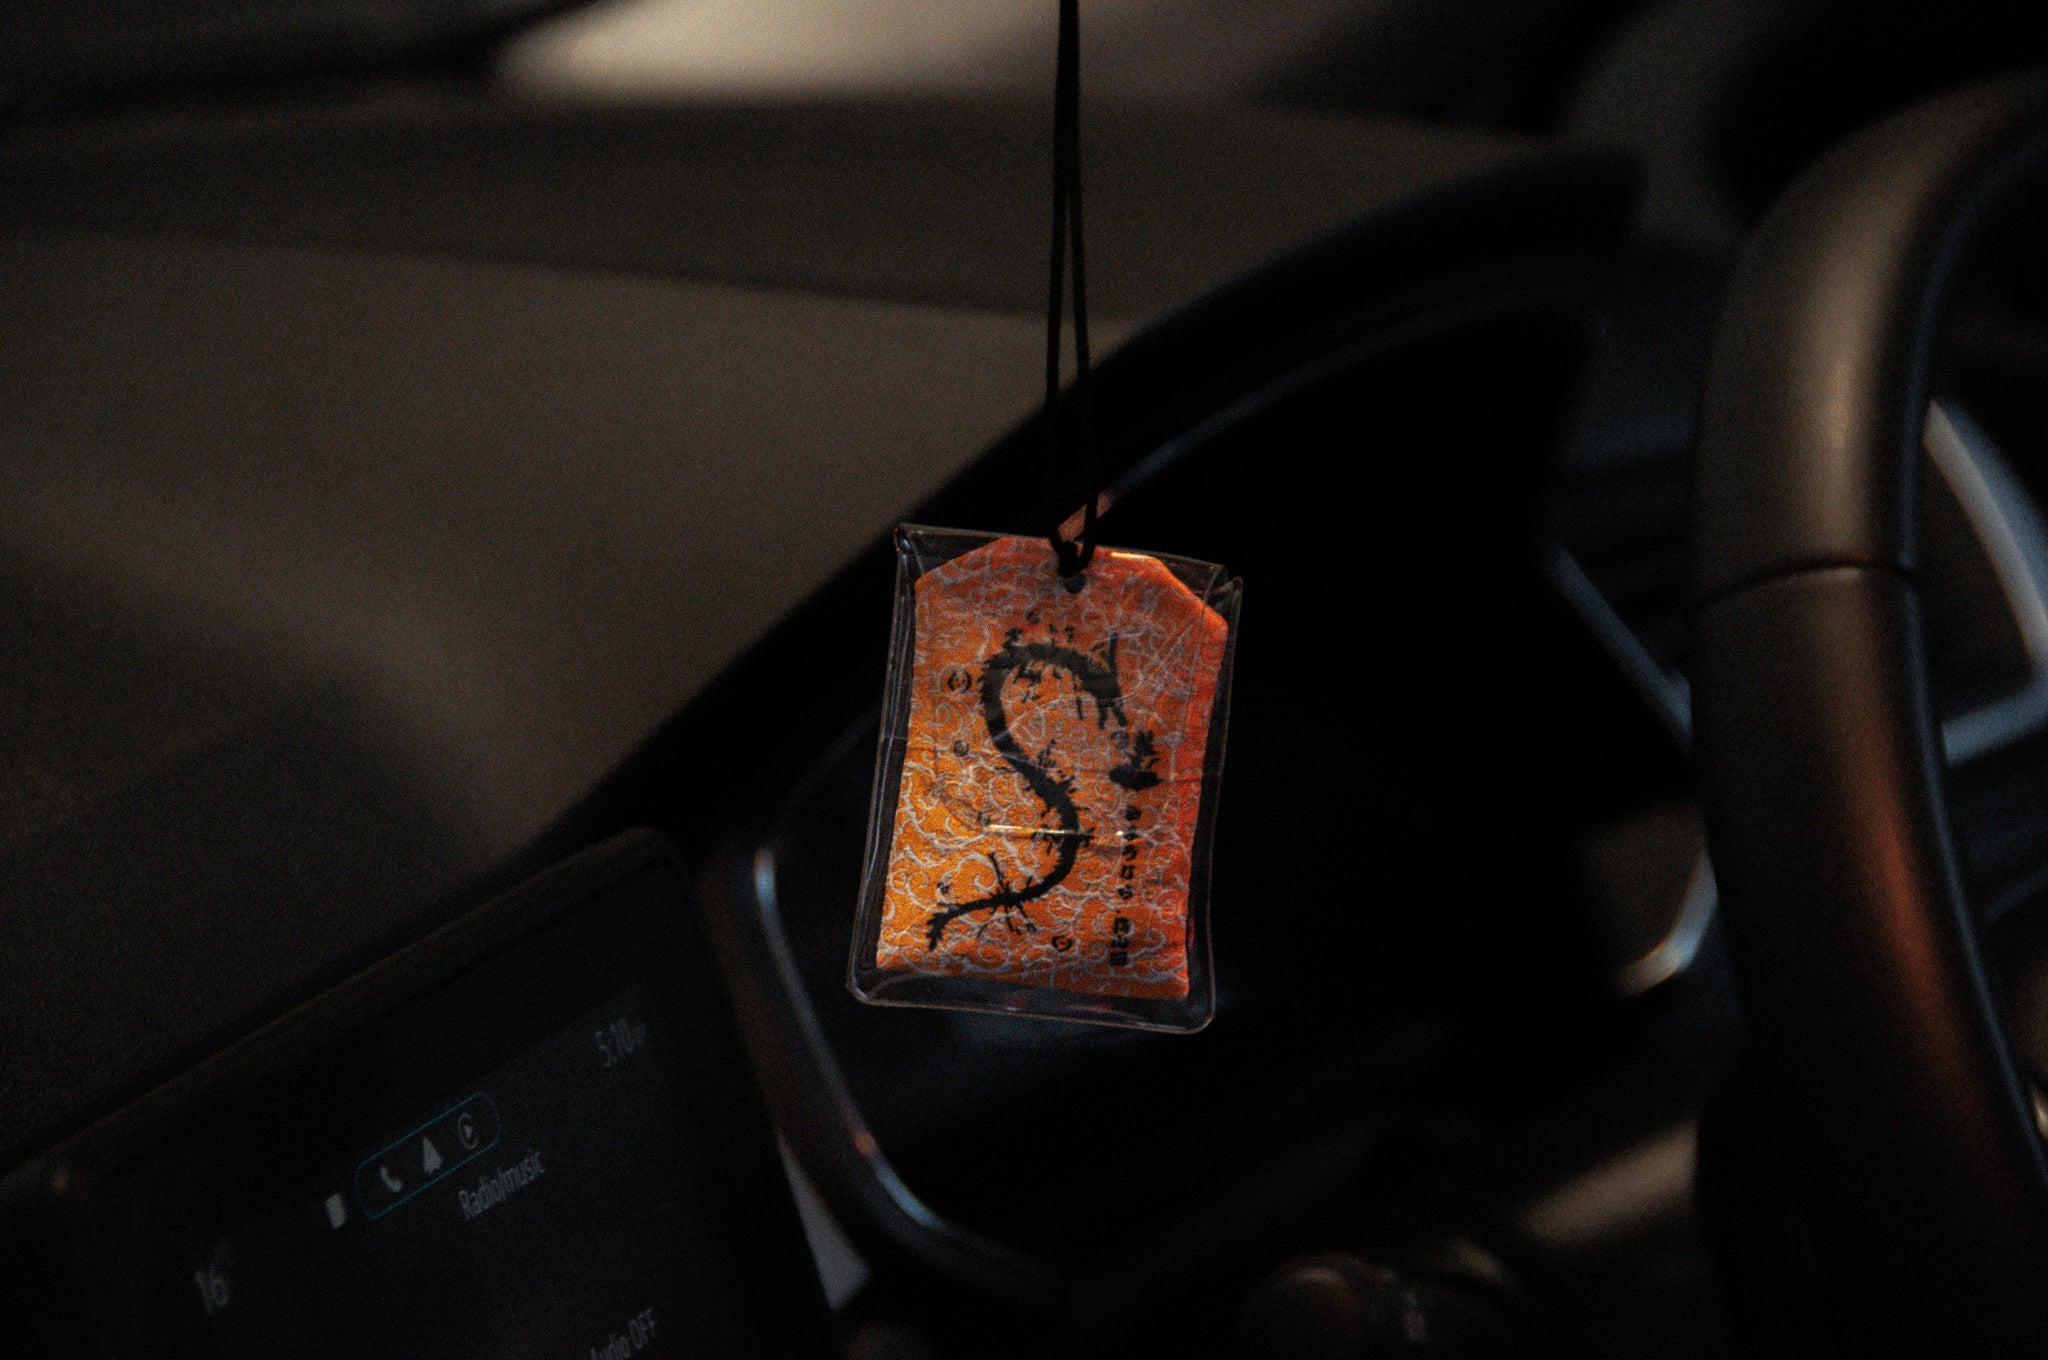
x,y
450,453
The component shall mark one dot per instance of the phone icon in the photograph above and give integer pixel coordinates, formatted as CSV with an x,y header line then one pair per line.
x,y
391,1182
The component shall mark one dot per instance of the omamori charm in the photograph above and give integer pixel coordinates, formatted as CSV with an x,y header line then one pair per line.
x,y
1050,754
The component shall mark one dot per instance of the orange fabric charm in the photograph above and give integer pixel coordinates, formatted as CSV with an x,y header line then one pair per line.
x,y
1045,825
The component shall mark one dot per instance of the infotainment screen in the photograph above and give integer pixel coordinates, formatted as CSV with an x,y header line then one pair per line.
x,y
555,1153
534,1211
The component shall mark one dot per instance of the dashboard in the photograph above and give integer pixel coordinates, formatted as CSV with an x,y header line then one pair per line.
x,y
445,541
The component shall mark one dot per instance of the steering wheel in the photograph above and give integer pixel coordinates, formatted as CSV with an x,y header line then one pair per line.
x,y
1899,1105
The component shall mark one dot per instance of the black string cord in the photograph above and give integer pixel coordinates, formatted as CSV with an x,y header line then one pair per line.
x,y
1067,441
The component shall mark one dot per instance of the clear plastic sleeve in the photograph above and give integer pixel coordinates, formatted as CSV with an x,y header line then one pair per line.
x,y
1039,835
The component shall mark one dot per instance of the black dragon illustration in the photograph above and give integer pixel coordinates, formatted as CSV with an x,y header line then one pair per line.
x,y
1094,676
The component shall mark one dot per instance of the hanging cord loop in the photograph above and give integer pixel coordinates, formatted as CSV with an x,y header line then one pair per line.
x,y
1068,440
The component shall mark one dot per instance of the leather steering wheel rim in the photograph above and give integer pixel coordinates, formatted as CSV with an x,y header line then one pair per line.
x,y
1907,1125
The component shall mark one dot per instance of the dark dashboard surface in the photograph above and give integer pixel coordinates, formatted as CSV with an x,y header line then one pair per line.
x,y
346,561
